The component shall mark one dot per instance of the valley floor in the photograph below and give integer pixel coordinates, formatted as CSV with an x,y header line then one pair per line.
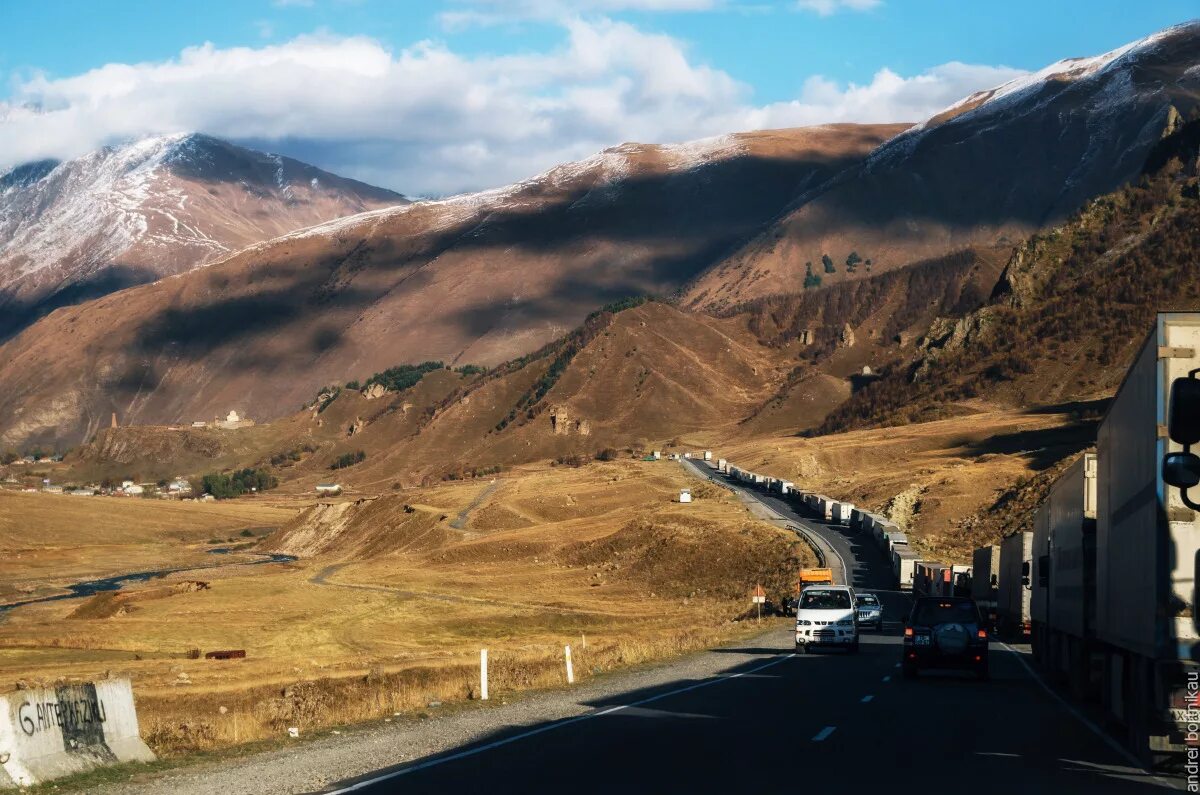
x,y
388,613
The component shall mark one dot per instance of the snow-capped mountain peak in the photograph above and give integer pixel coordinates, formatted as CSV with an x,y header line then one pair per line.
x,y
152,207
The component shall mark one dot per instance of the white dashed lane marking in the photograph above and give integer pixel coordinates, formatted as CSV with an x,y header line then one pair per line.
x,y
824,733
866,699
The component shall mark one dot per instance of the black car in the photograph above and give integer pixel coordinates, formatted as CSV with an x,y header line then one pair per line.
x,y
945,632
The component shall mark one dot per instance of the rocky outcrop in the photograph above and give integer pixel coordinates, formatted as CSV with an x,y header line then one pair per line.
x,y
562,424
374,391
846,338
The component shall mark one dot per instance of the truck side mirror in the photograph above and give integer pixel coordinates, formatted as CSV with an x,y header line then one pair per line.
x,y
1025,569
1183,411
1181,470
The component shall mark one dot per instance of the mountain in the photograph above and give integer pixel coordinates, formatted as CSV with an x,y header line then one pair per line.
x,y
480,278
985,173
159,206
1033,350
1069,311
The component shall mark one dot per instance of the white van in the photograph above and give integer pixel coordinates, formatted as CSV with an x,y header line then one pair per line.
x,y
826,616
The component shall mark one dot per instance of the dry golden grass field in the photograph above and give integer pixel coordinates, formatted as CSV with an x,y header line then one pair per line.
x,y
391,598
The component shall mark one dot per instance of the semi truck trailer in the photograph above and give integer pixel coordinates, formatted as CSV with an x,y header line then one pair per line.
x,y
985,575
1148,539
1115,600
1013,584
1063,596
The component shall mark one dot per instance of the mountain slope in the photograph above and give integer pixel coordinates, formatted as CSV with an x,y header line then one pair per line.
x,y
1071,309
159,206
479,278
985,173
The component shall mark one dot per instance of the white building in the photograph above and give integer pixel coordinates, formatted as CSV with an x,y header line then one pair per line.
x,y
329,488
685,495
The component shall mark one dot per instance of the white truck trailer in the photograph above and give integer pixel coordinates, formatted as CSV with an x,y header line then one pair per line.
x,y
904,566
1012,587
840,512
1063,597
1148,539
985,576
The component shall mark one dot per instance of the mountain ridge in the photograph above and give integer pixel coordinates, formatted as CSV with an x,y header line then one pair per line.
x,y
154,207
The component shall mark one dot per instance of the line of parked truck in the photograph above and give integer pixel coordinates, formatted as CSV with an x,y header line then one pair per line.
x,y
1111,562
1105,583
886,534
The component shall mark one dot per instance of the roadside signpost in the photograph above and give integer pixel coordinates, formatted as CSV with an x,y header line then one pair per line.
x,y
758,596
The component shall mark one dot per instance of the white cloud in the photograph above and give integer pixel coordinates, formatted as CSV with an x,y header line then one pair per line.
x,y
428,120
489,13
827,8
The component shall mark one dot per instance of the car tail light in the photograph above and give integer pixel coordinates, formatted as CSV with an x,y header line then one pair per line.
x,y
978,658
982,633
908,633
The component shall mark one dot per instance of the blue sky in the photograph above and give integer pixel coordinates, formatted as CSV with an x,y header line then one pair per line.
x,y
589,73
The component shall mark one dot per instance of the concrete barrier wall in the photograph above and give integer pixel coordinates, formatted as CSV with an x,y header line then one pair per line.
x,y
54,732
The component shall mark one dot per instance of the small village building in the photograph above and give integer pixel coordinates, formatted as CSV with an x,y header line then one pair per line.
x,y
685,495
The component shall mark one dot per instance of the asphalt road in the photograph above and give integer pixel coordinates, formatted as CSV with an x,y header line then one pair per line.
x,y
819,723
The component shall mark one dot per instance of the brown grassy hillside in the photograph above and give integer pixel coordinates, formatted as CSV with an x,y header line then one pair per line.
x,y
473,279
1072,308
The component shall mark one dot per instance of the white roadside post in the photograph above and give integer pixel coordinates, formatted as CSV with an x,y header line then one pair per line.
x,y
570,668
483,694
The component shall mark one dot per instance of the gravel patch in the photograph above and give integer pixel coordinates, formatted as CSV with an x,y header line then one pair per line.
x,y
318,764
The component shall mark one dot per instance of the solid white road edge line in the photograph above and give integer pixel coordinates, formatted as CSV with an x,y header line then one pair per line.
x,y
441,760
824,733
1079,716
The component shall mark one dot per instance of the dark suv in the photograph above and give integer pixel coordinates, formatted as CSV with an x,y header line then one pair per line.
x,y
945,632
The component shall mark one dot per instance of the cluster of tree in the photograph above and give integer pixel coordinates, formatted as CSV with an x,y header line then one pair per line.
x,y
325,396
224,486
348,460
573,460
467,473
291,456
810,279
401,377
470,369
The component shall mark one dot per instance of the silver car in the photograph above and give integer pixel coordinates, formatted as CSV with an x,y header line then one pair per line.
x,y
870,611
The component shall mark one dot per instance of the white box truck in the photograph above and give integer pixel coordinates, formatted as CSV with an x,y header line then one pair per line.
x,y
904,565
985,576
1063,597
1012,588
840,512
1148,539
